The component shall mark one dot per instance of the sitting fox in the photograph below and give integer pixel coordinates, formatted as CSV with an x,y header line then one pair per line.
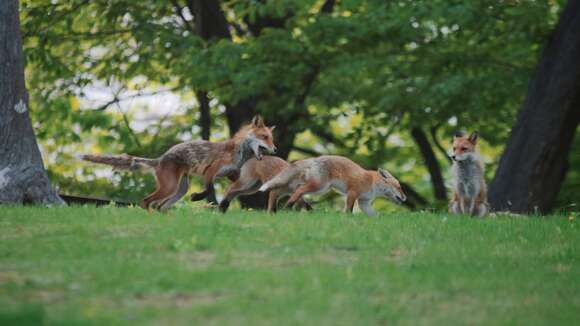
x,y
469,189
318,175
198,157
252,174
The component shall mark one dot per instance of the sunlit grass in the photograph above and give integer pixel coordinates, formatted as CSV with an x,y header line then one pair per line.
x,y
193,266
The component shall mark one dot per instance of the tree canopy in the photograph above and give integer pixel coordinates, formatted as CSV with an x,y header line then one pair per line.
x,y
351,77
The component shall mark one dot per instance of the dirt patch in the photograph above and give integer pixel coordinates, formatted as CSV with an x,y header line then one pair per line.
x,y
179,300
11,278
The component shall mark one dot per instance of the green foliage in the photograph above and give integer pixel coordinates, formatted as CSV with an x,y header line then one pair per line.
x,y
374,69
82,265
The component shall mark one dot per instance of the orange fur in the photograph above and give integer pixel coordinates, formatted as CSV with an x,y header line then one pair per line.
x,y
469,188
318,175
253,174
173,168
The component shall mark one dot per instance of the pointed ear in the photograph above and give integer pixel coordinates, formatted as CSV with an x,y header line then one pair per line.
x,y
258,122
473,137
272,128
385,174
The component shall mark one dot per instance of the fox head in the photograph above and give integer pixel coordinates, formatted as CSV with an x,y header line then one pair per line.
x,y
389,187
464,148
258,137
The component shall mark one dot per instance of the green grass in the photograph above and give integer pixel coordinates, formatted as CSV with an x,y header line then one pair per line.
x,y
84,265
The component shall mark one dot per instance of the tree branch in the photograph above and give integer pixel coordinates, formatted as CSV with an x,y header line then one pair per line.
x,y
128,125
431,162
306,151
116,99
438,144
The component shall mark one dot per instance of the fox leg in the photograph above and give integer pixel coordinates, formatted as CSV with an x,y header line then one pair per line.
x,y
466,205
482,209
366,206
350,200
303,204
454,207
308,187
167,183
238,188
273,201
209,190
181,191
472,206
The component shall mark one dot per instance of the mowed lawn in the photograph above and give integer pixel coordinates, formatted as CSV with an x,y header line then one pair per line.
x,y
86,265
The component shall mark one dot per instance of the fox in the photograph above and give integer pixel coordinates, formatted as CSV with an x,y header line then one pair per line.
x,y
469,188
253,173
319,175
199,157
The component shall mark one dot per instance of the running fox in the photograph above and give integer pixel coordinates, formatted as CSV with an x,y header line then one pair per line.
x,y
469,189
252,174
197,157
318,175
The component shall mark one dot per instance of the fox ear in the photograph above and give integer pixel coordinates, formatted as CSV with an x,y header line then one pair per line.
x,y
385,174
458,134
257,121
473,137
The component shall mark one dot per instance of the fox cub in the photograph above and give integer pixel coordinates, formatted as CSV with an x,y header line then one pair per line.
x,y
198,157
318,175
253,173
469,189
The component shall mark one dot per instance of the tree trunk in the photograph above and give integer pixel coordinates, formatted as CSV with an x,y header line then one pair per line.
x,y
22,175
210,23
535,160
431,162
204,114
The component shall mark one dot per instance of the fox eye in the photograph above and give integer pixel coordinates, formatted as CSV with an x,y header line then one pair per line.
x,y
463,148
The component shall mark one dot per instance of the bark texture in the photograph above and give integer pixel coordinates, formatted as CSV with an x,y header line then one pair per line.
x,y
534,164
23,178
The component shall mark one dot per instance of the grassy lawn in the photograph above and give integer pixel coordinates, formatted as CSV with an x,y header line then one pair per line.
x,y
84,265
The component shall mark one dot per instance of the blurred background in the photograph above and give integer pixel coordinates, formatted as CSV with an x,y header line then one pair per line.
x,y
385,83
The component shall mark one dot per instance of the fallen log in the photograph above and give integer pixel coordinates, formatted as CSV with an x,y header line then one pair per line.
x,y
82,200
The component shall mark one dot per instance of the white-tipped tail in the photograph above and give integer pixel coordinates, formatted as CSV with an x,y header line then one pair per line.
x,y
264,187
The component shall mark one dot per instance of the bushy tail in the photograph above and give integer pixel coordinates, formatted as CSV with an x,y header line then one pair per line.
x,y
281,179
122,162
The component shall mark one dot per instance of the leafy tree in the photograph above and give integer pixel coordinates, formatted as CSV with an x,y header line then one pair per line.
x,y
378,81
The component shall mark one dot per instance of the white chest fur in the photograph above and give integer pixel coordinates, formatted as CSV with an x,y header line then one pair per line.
x,y
467,176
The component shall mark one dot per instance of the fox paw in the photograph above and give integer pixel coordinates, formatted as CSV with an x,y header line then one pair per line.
x,y
198,196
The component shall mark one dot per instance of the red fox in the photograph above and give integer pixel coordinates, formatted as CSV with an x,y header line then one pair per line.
x,y
252,174
318,175
469,189
197,157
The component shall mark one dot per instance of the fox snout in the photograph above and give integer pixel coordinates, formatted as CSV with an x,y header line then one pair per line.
x,y
268,150
401,198
272,150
